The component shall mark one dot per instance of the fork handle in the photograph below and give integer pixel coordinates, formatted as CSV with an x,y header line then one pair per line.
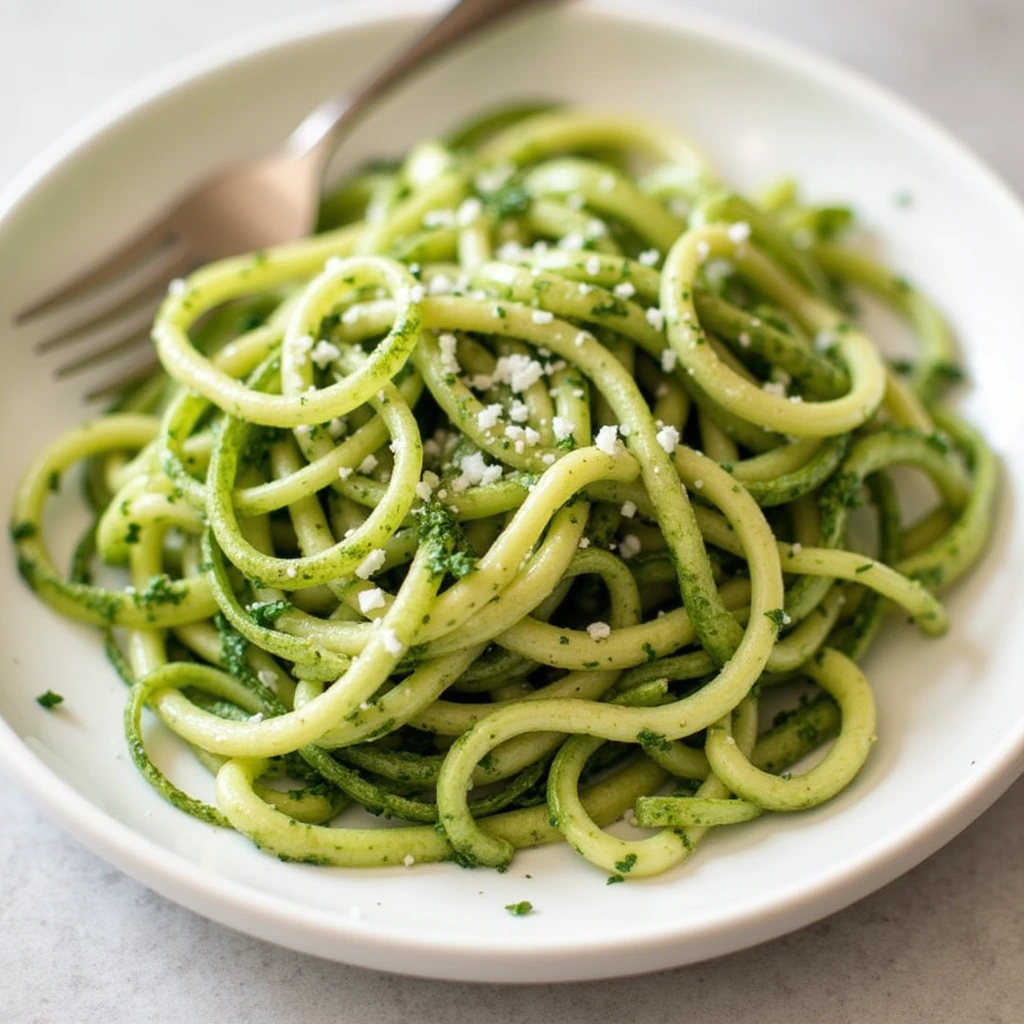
x,y
321,128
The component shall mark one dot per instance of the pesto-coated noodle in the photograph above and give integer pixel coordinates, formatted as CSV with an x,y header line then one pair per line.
x,y
495,505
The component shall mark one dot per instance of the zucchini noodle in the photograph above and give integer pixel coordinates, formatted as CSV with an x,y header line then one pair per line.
x,y
496,505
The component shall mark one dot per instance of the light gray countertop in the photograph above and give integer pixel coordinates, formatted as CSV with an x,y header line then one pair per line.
x,y
79,942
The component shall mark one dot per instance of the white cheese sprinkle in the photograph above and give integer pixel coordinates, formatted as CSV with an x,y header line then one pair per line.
x,y
510,252
425,488
368,465
440,284
408,860
668,438
291,572
371,599
345,472
176,287
266,676
542,316
607,440
475,471
372,563
649,257
628,509
599,631
630,546
703,250
624,290
519,371
519,412
744,340
655,318
391,642
562,428
668,359
738,232
324,354
489,416
593,266
417,292
449,343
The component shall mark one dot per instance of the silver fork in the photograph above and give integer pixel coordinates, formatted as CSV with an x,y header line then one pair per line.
x,y
247,206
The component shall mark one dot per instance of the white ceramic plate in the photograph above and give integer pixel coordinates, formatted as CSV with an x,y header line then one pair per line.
x,y
951,711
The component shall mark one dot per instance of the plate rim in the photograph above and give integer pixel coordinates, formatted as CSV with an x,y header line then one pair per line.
x,y
277,919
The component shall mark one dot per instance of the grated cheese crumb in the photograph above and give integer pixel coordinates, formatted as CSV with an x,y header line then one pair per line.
x,y
655,318
449,343
518,412
607,440
630,546
372,563
599,631
668,359
738,232
628,509
371,599
562,428
324,354
391,642
668,438
440,284
519,372
427,485
489,416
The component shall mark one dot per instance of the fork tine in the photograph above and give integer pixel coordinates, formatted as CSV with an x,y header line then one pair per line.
x,y
145,296
126,340
123,381
148,242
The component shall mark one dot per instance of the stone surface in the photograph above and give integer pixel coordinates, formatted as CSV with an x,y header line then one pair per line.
x,y
81,943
